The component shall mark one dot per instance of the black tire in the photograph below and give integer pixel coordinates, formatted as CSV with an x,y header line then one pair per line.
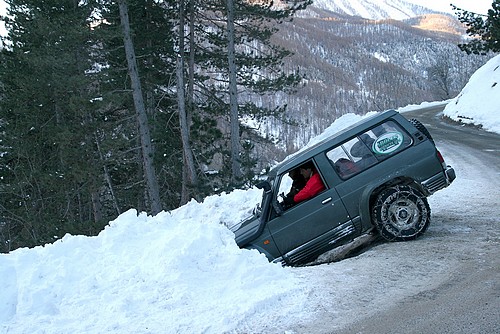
x,y
401,213
420,127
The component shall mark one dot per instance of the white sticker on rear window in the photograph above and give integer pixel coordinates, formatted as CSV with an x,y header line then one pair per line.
x,y
388,143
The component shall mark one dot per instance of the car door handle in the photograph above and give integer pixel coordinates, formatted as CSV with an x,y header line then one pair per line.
x,y
329,199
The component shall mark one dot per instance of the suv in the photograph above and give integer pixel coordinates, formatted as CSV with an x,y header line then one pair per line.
x,y
376,173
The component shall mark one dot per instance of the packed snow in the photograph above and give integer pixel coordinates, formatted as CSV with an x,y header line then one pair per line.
x,y
181,271
477,103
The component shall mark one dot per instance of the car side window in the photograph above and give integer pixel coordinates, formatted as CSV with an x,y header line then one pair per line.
x,y
285,184
299,184
368,148
352,157
390,139
290,184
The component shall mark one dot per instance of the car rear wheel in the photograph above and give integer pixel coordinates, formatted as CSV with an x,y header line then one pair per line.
x,y
401,213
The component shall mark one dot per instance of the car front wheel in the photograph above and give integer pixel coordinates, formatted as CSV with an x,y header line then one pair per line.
x,y
401,213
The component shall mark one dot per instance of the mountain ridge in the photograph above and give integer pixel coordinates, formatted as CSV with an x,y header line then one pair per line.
x,y
415,15
374,9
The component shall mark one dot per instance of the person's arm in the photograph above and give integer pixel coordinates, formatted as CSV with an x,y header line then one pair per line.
x,y
313,186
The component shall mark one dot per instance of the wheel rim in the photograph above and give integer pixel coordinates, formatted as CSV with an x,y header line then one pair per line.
x,y
401,213
404,213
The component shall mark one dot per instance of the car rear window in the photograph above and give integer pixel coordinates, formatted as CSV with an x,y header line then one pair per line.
x,y
368,148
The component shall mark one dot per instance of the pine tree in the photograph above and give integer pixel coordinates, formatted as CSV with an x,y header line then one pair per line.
x,y
147,151
189,172
151,31
259,71
483,29
72,158
52,172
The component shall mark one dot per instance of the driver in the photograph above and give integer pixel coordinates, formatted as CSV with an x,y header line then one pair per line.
x,y
313,186
298,183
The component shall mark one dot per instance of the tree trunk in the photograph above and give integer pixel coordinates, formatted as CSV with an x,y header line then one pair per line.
x,y
189,178
190,92
107,177
233,96
142,119
96,207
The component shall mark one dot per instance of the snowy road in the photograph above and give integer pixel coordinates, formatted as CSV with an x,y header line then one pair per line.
x,y
447,281
468,300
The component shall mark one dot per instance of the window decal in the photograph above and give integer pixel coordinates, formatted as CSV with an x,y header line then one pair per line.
x,y
388,143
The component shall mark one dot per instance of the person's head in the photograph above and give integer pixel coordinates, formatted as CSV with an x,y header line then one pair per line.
x,y
307,170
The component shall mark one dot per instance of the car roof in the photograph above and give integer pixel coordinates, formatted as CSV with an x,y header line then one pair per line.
x,y
337,138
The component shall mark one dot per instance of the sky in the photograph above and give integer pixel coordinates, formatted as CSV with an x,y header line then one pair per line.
x,y
181,271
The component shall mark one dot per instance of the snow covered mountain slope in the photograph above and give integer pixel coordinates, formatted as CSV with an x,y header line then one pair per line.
x,y
374,9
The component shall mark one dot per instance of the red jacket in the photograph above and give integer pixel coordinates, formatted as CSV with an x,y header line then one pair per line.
x,y
313,186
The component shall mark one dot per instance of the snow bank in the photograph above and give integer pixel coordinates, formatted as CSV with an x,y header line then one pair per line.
x,y
177,272
479,101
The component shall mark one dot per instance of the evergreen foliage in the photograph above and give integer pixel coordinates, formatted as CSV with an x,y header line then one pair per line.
x,y
152,38
70,151
484,30
259,63
49,174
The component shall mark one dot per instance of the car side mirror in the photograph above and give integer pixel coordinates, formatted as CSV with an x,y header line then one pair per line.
x,y
264,185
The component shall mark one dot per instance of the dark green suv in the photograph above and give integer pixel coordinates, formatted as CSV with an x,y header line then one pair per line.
x,y
375,174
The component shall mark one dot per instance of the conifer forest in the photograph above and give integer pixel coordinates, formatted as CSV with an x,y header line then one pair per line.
x,y
148,104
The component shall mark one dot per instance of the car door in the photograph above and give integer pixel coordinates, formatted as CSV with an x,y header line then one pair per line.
x,y
310,227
